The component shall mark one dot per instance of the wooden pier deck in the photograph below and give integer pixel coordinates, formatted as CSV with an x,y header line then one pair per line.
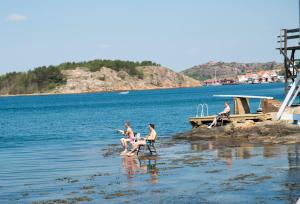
x,y
207,120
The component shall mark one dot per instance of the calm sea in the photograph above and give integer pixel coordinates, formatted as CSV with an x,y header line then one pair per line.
x,y
52,146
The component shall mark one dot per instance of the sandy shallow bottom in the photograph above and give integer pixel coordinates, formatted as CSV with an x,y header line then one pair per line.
x,y
184,172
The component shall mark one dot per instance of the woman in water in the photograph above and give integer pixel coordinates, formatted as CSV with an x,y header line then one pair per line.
x,y
150,137
130,137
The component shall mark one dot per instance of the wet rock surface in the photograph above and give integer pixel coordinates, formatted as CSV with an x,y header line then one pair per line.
x,y
272,132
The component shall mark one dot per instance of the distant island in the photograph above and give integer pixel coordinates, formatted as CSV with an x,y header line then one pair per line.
x,y
93,76
234,72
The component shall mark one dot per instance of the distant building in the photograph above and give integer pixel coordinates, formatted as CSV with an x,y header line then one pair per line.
x,y
211,82
219,81
268,76
248,78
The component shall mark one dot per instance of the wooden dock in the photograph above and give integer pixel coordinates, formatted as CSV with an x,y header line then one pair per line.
x,y
207,120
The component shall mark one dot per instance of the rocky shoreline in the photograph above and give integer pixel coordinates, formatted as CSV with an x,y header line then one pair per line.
x,y
267,132
90,92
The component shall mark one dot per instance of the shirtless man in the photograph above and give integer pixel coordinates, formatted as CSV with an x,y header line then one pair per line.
x,y
130,137
151,136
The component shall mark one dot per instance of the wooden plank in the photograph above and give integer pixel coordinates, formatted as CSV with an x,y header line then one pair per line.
x,y
196,121
292,37
254,115
289,38
293,30
290,48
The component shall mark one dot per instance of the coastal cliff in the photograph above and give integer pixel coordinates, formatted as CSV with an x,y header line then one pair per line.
x,y
93,76
81,80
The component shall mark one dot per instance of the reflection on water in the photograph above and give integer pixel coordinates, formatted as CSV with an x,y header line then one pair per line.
x,y
281,163
294,156
237,150
292,183
224,151
140,165
244,150
271,151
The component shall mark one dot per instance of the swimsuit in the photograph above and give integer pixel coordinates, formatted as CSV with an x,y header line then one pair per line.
x,y
132,139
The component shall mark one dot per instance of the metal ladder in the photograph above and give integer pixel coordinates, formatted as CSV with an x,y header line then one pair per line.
x,y
204,105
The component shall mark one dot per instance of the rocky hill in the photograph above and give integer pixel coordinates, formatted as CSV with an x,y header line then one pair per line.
x,y
82,80
93,76
227,70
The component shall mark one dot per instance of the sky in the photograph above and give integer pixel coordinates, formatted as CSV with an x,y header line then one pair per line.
x,y
174,33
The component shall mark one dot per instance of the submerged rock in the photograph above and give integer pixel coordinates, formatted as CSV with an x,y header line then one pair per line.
x,y
67,180
65,201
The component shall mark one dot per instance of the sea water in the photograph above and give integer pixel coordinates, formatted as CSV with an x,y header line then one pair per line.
x,y
66,147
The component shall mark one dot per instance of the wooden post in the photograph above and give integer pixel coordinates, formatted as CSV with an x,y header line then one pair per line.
x,y
241,106
286,65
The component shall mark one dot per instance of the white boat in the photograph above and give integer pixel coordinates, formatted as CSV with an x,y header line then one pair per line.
x,y
124,92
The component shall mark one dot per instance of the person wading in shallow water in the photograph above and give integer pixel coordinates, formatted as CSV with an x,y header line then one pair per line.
x,y
221,115
150,137
130,137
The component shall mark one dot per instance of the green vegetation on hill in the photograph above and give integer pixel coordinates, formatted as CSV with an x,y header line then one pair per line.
x,y
43,79
118,65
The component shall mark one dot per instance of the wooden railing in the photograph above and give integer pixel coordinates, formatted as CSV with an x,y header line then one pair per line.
x,y
288,47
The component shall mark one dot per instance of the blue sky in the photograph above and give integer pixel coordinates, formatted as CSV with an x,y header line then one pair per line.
x,y
175,33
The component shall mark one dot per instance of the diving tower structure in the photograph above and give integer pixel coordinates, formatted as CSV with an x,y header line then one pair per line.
x,y
289,44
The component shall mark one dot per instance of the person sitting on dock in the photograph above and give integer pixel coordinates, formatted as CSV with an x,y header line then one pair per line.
x,y
130,137
224,114
151,137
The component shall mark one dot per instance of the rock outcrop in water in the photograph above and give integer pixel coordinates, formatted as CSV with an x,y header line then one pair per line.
x,y
268,132
82,80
